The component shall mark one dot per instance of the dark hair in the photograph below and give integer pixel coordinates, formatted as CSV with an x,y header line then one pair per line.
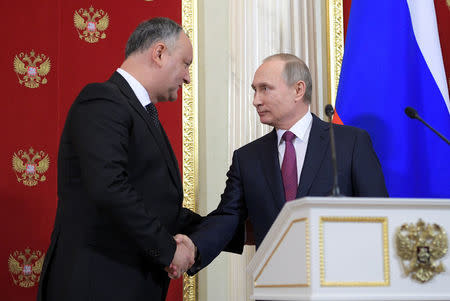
x,y
152,31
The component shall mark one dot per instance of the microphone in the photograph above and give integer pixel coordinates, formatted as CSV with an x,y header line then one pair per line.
x,y
412,113
329,111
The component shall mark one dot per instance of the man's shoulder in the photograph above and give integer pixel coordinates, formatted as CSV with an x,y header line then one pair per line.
x,y
344,134
105,96
258,144
105,90
348,130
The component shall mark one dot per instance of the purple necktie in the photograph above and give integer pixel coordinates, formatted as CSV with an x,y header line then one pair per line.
x,y
289,167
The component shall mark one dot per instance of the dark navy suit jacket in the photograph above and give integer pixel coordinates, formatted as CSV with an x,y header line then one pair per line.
x,y
254,186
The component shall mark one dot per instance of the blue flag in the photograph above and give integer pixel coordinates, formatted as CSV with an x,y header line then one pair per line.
x,y
393,60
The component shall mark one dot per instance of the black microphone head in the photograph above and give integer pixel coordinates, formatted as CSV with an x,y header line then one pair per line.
x,y
411,112
329,111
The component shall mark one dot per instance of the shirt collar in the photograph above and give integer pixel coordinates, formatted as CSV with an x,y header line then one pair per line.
x,y
136,86
300,128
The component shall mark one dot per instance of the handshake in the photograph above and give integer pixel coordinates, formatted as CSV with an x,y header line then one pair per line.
x,y
184,257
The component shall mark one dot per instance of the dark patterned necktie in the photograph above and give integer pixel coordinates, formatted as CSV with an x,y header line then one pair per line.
x,y
153,112
289,167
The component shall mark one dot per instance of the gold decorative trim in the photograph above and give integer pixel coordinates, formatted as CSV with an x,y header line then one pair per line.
x,y
383,221
190,131
335,46
308,267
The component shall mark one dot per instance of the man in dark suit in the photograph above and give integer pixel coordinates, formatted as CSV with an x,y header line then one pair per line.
x,y
119,188
291,162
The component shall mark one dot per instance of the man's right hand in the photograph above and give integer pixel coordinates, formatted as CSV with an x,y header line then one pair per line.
x,y
183,258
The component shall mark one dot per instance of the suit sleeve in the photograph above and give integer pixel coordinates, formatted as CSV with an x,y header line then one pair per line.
x,y
367,175
223,228
187,221
99,130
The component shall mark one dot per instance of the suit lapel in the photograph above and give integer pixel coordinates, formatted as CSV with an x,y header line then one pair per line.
x,y
162,143
317,147
271,165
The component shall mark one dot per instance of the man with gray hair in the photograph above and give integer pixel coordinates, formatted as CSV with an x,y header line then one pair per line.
x,y
290,162
119,188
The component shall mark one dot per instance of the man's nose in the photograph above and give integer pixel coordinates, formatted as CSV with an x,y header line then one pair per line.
x,y
187,77
256,100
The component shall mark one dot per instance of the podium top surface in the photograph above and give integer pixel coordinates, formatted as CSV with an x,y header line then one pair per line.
x,y
352,201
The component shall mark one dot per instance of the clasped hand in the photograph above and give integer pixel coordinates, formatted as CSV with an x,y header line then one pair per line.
x,y
184,257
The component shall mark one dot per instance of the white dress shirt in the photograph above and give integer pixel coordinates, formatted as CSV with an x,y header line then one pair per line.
x,y
301,130
136,86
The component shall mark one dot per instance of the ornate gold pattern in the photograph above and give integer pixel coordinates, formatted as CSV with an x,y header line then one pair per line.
x,y
31,68
190,131
335,45
308,266
25,268
383,221
89,23
421,245
32,165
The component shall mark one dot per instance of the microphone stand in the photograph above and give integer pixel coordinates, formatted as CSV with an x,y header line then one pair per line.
x,y
412,113
329,111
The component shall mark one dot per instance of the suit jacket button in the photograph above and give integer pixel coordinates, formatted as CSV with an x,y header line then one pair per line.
x,y
153,252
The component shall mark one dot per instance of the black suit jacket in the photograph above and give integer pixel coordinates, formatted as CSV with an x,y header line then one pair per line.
x,y
254,187
120,202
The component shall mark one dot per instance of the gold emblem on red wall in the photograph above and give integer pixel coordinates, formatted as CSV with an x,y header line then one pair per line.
x,y
25,267
30,167
31,68
90,24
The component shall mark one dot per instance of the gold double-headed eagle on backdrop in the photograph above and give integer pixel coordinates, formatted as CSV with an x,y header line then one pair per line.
x,y
90,24
31,68
30,167
25,267
422,245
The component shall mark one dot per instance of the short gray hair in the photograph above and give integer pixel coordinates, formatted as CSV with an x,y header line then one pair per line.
x,y
294,70
151,31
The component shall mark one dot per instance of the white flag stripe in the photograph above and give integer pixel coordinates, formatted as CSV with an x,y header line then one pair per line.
x,y
423,17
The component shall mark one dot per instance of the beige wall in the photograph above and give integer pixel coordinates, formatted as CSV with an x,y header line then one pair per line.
x,y
213,130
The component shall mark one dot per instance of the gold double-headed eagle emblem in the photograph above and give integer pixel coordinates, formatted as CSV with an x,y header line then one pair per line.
x,y
422,245
31,68
90,24
25,267
31,166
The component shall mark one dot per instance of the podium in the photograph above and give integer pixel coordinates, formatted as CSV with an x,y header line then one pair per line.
x,y
324,248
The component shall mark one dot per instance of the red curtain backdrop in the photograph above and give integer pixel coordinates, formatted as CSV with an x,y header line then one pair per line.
x,y
40,39
443,21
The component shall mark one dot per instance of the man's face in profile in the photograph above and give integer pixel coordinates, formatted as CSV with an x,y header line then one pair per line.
x,y
274,100
176,67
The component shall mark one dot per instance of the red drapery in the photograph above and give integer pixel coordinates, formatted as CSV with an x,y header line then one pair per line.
x,y
45,62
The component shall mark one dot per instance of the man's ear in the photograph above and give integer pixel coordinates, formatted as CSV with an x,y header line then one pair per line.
x,y
157,52
300,90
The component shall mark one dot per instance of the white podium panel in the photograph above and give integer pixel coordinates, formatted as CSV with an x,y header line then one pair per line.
x,y
267,277
346,249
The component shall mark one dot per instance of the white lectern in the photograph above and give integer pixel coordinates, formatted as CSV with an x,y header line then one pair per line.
x,y
355,249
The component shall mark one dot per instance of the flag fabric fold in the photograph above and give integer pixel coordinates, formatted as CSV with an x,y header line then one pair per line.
x,y
393,60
